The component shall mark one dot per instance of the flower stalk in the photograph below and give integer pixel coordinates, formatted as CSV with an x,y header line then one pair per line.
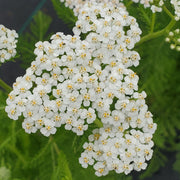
x,y
157,34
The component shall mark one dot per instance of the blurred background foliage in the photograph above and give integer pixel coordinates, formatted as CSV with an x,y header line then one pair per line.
x,y
35,157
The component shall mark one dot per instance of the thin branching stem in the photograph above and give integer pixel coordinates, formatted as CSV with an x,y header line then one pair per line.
x,y
157,34
56,148
153,22
166,10
53,158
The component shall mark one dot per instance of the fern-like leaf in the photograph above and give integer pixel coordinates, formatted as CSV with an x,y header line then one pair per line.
x,y
38,32
64,13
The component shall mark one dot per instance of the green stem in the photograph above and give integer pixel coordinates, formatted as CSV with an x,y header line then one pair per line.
x,y
56,148
55,145
168,12
5,86
153,22
13,133
157,34
53,158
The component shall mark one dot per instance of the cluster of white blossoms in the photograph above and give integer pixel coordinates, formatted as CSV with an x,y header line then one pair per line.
x,y
76,5
111,33
7,43
176,4
74,82
154,5
124,142
59,88
174,39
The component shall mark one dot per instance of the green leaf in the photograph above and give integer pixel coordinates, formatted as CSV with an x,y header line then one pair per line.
x,y
159,137
3,97
64,13
62,170
40,154
40,25
159,78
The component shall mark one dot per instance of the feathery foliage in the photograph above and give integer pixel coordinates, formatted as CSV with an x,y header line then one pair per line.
x,y
37,32
64,13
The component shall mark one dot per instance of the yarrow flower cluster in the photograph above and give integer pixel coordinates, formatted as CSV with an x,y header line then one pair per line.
x,y
76,5
8,40
112,33
74,82
154,5
174,39
124,142
54,90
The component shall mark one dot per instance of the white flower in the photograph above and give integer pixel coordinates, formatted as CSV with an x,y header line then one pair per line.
x,y
89,115
155,9
79,127
13,111
100,169
29,127
85,159
58,119
49,128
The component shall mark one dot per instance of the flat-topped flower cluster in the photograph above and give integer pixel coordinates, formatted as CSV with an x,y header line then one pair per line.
x,y
74,82
8,40
154,5
77,5
124,142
